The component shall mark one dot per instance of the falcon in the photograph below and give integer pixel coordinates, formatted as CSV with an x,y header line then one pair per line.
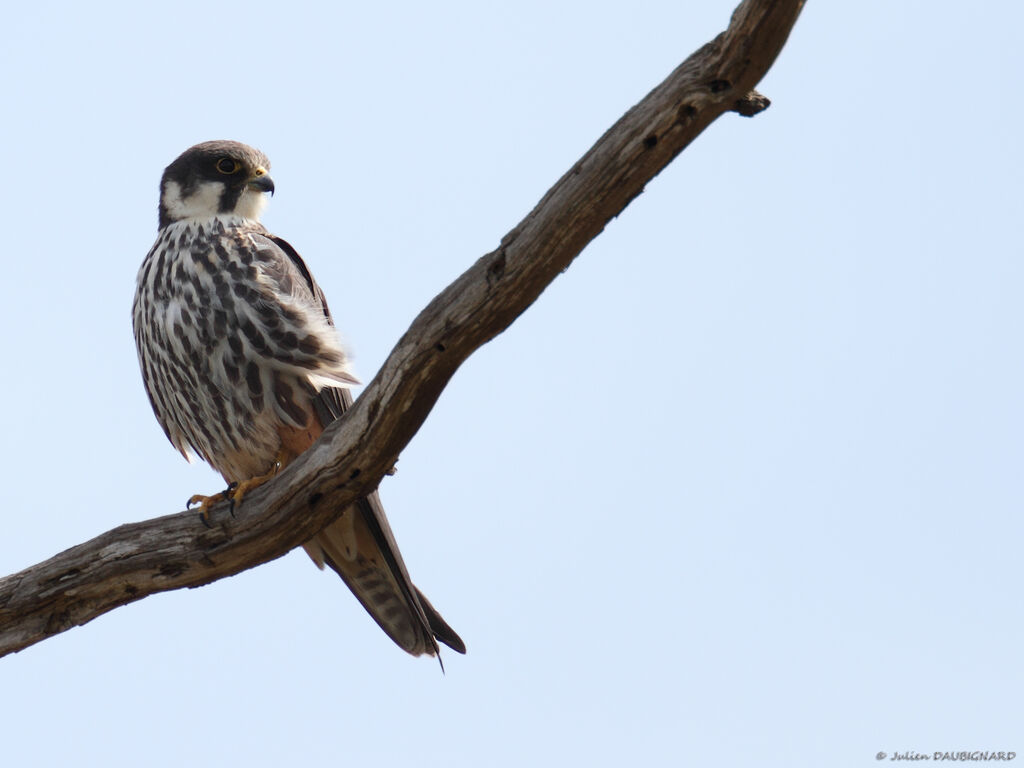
x,y
244,368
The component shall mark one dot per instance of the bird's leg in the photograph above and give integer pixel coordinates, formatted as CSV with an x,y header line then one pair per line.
x,y
236,491
253,482
242,488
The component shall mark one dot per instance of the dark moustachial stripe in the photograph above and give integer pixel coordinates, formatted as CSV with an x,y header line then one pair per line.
x,y
229,199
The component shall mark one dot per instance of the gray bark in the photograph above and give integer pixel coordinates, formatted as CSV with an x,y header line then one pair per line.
x,y
175,551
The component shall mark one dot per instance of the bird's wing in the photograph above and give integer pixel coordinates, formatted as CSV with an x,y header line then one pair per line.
x,y
330,402
303,333
359,546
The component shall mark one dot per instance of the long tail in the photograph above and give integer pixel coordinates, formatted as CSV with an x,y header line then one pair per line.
x,y
360,547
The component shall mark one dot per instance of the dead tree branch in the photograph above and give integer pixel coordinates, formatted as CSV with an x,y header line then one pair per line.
x,y
139,559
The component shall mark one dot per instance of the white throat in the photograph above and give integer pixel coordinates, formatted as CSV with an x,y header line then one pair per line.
x,y
251,204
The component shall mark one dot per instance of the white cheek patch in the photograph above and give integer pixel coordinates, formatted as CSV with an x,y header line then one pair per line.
x,y
202,203
251,203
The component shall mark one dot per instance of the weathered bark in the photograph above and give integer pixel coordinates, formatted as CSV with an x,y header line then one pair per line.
x,y
136,560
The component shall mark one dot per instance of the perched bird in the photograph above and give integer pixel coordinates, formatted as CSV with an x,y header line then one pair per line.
x,y
243,366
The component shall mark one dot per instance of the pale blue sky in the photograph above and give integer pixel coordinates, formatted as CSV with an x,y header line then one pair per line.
x,y
742,488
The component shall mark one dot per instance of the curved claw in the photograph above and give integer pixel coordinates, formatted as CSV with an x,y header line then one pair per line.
x,y
230,494
207,502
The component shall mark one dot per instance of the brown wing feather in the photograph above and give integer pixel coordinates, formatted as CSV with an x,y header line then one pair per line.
x,y
359,546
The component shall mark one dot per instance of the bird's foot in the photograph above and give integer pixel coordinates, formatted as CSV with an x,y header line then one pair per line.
x,y
206,502
235,491
245,486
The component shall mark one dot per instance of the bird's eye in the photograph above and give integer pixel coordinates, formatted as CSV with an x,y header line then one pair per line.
x,y
227,166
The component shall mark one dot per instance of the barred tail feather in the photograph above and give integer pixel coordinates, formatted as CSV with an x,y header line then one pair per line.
x,y
361,549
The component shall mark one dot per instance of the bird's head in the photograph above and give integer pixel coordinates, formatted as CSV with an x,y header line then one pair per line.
x,y
215,178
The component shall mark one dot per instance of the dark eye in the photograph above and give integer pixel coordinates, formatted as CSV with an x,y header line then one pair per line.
x,y
227,166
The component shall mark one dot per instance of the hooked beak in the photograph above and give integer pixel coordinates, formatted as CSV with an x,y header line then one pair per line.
x,y
262,181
